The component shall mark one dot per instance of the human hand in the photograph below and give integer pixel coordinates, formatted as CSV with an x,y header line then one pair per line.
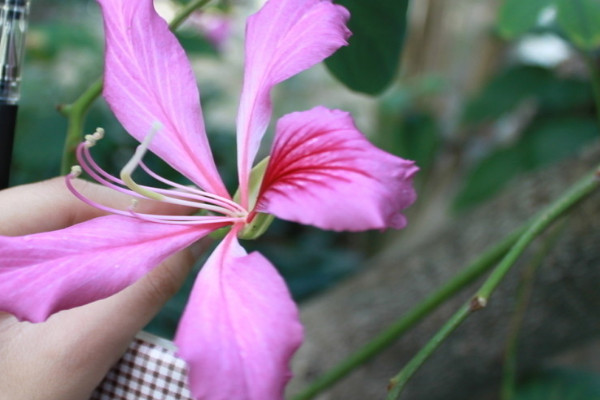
x,y
66,357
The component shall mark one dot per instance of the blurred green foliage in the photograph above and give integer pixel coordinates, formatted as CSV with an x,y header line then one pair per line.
x,y
577,19
563,122
551,92
370,62
517,17
560,384
407,129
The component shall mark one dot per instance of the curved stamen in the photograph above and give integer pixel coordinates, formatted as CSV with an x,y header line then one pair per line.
x,y
200,202
201,193
97,173
179,194
193,220
75,172
88,164
152,194
165,219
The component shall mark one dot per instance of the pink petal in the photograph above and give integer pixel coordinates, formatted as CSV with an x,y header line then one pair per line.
x,y
148,79
323,172
48,272
240,328
282,39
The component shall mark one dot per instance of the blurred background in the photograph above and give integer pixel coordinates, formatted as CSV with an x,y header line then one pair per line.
x,y
477,92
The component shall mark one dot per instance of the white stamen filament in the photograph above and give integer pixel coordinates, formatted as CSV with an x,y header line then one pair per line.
x,y
230,211
153,194
132,165
201,197
184,219
199,194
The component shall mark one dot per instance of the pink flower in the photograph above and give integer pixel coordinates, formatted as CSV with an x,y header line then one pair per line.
x,y
240,327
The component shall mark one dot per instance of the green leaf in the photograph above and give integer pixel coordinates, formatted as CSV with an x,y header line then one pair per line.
x,y
489,176
560,384
370,62
509,88
195,44
561,94
580,20
516,17
505,91
553,139
413,135
545,141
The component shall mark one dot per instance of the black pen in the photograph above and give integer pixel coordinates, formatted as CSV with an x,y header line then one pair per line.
x,y
13,25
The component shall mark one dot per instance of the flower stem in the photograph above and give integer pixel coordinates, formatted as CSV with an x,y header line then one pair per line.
x,y
398,382
509,373
577,193
76,111
185,12
386,338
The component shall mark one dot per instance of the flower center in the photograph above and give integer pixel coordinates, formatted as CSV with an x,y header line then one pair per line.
x,y
211,208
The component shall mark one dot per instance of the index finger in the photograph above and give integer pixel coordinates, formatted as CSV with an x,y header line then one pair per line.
x,y
49,205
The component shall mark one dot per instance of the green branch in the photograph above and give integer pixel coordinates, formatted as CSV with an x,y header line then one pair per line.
x,y
577,193
398,382
509,373
76,111
468,275
186,11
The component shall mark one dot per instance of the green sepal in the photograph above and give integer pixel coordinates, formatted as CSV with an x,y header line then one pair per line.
x,y
254,182
220,233
257,227
261,222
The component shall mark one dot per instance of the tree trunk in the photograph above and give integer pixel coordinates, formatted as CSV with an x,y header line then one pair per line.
x,y
563,311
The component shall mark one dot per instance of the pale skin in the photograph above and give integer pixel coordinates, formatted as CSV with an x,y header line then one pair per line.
x,y
67,356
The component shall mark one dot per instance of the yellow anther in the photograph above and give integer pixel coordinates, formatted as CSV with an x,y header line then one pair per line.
x,y
91,140
75,171
99,134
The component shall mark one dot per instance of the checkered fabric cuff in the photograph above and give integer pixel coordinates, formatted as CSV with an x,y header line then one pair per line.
x,y
149,370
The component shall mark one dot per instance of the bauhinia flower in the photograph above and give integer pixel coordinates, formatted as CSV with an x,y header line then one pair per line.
x,y
240,327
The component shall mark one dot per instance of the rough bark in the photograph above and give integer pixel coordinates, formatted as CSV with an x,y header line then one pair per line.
x,y
564,309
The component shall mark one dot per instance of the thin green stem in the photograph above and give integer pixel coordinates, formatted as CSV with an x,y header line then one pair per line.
x,y
509,372
186,11
577,193
574,196
76,111
469,274
398,382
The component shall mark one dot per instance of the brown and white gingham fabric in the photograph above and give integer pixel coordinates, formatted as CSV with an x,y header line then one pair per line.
x,y
149,370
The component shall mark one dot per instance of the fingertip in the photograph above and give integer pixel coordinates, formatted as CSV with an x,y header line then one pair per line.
x,y
38,207
49,205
